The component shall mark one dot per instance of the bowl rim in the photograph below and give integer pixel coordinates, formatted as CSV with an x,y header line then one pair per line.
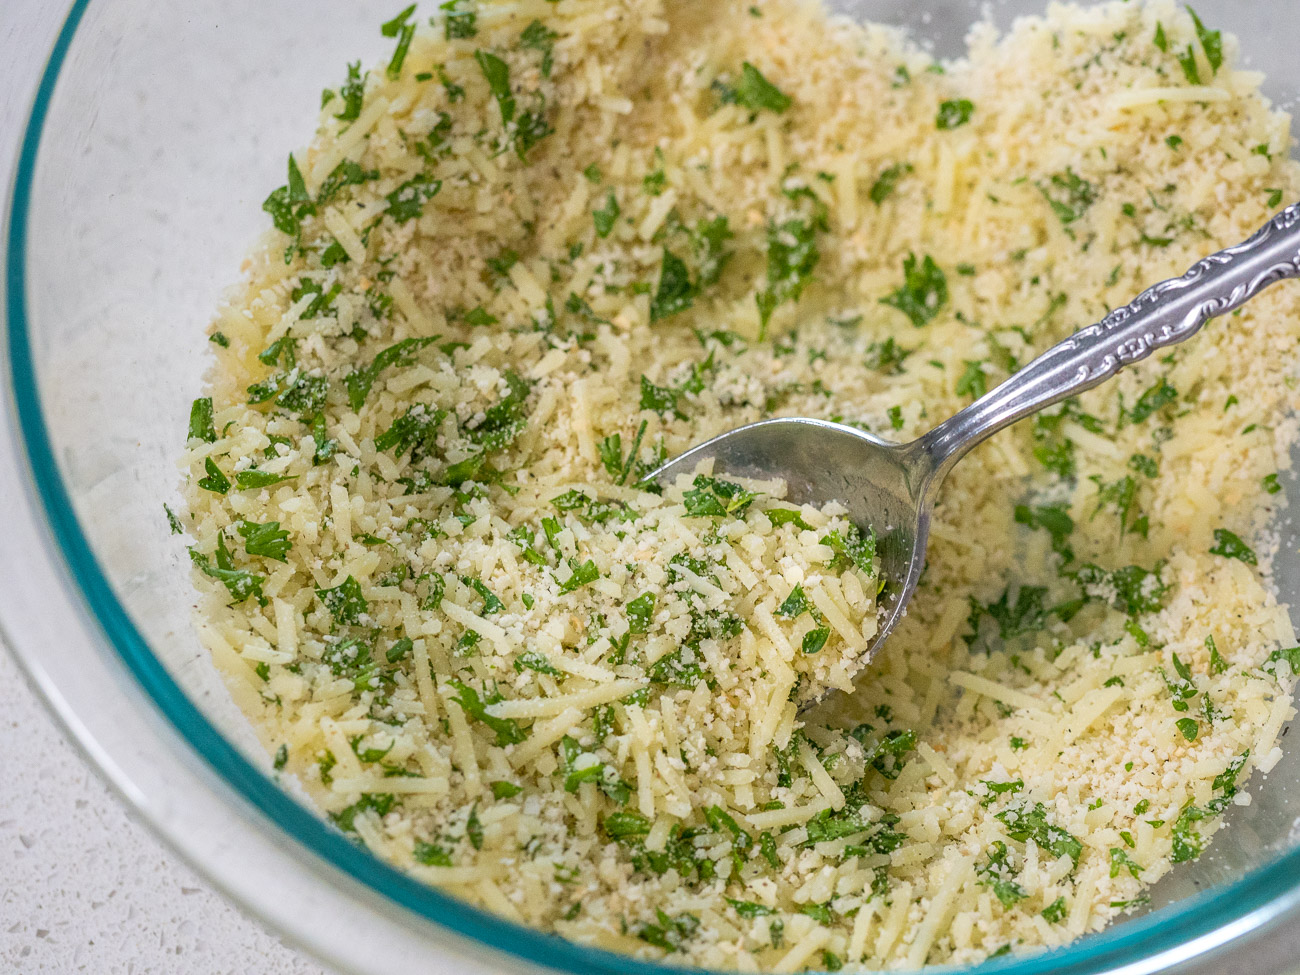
x,y
1171,935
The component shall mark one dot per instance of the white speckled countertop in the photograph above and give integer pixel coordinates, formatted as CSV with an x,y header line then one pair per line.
x,y
84,888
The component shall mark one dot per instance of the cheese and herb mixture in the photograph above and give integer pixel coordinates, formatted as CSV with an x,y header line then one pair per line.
x,y
549,244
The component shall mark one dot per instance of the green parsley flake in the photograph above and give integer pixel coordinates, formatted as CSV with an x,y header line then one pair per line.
x,y
755,92
924,291
954,114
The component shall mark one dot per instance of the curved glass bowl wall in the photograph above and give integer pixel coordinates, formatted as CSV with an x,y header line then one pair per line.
x,y
157,131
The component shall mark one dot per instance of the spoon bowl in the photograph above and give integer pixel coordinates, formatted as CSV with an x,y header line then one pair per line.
x,y
882,485
890,489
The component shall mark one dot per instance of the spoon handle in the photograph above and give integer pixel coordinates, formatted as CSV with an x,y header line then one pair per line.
x,y
1165,314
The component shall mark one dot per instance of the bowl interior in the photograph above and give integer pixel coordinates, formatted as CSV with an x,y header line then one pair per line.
x,y
164,131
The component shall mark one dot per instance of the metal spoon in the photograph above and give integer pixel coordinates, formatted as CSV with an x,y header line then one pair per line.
x,y
891,488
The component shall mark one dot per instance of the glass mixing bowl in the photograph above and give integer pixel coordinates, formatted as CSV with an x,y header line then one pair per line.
x,y
156,132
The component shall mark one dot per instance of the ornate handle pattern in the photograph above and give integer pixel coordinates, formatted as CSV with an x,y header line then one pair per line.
x,y
1165,314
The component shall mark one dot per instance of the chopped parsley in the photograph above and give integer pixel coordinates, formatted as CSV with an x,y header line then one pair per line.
x,y
1211,42
253,479
708,241
173,523
1226,783
1055,520
399,650
1144,465
352,93
579,576
508,731
1121,496
654,181
792,256
1069,195
659,399
1181,688
887,182
201,420
491,603
923,293
973,382
996,872
497,74
474,826
714,498
821,913
504,420
414,432
1131,589
1029,822
431,854
532,660
214,480
669,933
538,37
639,613
345,602
888,755
400,28
459,22
1152,401
748,909
755,92
268,540
380,803
851,547
359,381
815,639
675,292
346,173
589,509
1187,841
887,357
1055,912
288,205
240,583
606,216
407,201
954,113
994,789
623,827
1027,613
787,516
1217,664
611,454
1230,546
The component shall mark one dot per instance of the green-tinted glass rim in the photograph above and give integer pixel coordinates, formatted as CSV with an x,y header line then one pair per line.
x,y
1174,933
